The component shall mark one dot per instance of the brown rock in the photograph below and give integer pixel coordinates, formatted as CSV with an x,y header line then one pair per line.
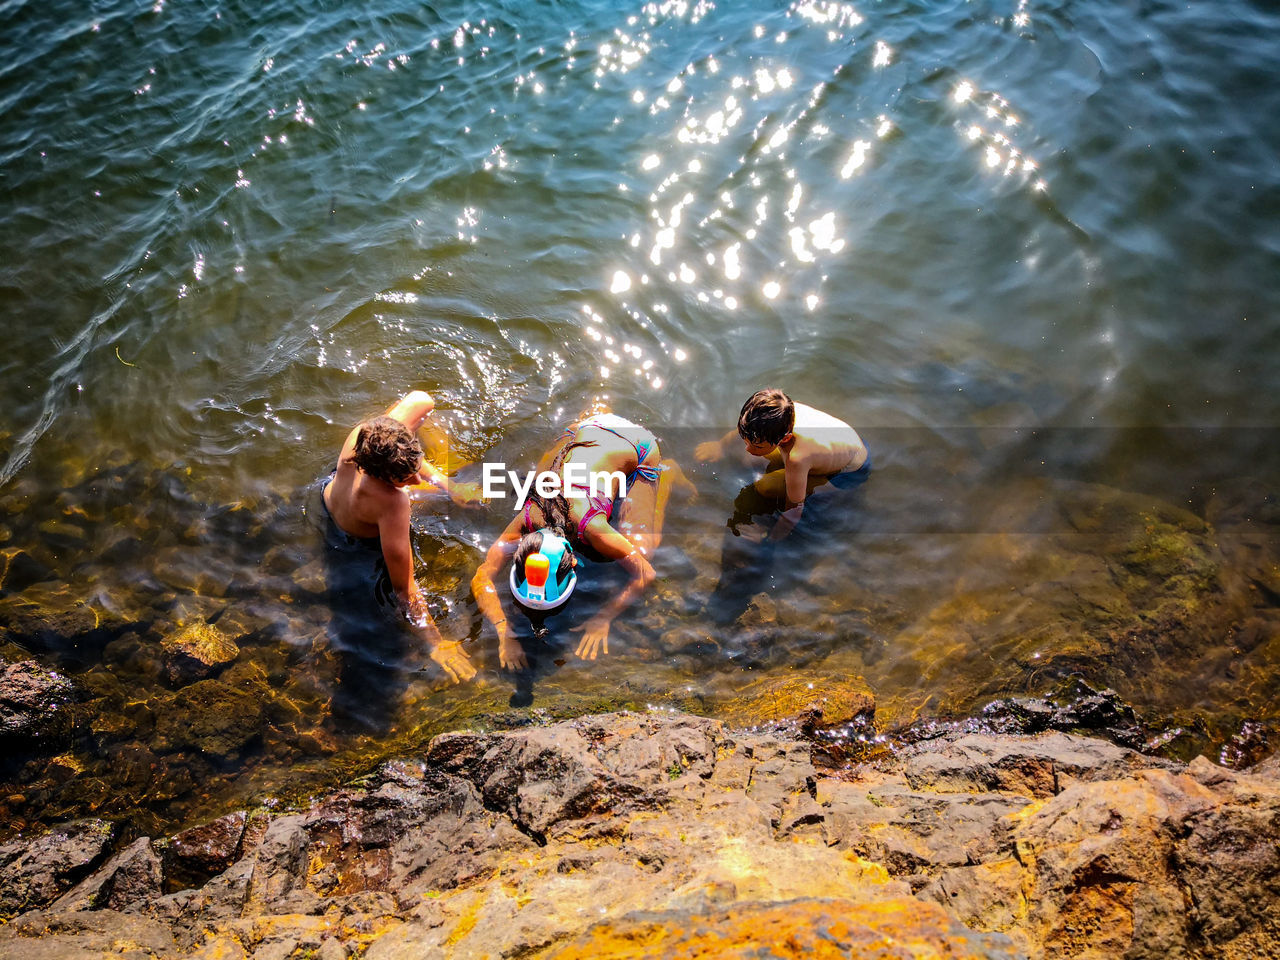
x,y
34,872
815,702
207,849
33,707
818,929
197,651
129,879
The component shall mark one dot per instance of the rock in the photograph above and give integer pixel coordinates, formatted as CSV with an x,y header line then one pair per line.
x,y
197,651
199,853
804,928
84,934
54,618
813,702
761,611
34,872
669,835
33,708
214,717
129,879
1018,715
1038,766
19,570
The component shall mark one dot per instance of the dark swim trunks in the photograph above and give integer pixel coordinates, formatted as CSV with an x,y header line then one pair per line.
x,y
848,479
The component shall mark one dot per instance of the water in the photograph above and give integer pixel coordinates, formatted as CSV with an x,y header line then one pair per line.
x,y
1027,248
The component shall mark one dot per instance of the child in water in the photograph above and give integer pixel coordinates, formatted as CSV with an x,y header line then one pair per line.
x,y
578,518
367,496
804,447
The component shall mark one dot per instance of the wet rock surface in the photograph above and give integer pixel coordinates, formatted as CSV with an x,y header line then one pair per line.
x,y
656,835
197,651
34,701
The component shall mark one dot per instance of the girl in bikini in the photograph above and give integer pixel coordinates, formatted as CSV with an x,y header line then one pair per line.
x,y
554,527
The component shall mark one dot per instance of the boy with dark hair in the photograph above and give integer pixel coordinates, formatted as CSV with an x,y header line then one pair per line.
x,y
367,497
804,446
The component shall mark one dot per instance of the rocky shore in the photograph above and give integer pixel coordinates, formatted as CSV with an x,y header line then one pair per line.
x,y
669,835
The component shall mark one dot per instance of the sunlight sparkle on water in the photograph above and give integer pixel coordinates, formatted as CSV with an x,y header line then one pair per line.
x,y
856,159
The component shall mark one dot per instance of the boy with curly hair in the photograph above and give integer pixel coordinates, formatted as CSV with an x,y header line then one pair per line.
x,y
367,497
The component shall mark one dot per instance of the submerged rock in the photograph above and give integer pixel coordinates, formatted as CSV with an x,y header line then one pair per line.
x,y
197,651
214,717
812,702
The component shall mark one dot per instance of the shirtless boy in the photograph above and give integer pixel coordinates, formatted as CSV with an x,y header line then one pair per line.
x,y
367,496
804,446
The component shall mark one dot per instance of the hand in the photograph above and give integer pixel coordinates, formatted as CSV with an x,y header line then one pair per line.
x,y
510,653
466,494
454,660
595,637
708,452
786,523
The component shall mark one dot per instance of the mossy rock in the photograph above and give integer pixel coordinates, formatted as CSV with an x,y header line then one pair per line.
x,y
197,651
218,719
816,702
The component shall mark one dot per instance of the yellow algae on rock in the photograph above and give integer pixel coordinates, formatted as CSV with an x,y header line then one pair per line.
x,y
818,701
902,929
196,651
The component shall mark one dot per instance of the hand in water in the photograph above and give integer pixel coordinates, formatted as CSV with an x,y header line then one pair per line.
x,y
467,494
708,452
453,660
595,637
510,653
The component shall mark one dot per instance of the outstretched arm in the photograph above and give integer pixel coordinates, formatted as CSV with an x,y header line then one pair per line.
x,y
713,450
393,530
613,545
484,586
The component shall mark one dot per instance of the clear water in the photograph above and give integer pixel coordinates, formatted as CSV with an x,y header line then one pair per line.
x,y
1028,248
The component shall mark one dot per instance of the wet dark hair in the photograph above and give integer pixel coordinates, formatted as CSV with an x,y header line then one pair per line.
x,y
386,449
555,510
767,417
531,543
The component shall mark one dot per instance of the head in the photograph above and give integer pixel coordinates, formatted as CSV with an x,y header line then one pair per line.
x,y
766,421
387,450
549,550
554,511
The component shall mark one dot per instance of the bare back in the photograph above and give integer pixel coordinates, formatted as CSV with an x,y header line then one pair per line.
x,y
355,501
825,444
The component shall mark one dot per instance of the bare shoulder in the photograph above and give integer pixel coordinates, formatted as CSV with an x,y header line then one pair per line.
x,y
815,419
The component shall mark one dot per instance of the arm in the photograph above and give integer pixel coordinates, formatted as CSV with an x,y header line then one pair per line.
x,y
412,409
393,530
613,545
797,481
713,450
484,588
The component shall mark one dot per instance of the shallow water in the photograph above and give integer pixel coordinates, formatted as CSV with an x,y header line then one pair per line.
x,y
1027,248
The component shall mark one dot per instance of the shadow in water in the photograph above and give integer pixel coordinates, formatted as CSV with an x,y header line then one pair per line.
x,y
549,638
751,560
